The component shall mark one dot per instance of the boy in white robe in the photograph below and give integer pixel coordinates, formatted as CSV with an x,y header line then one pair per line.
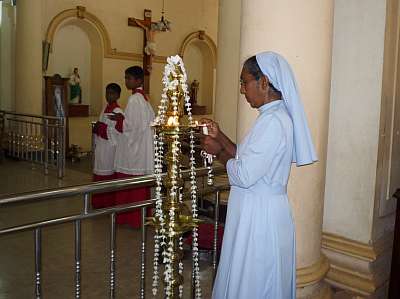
x,y
106,132
135,153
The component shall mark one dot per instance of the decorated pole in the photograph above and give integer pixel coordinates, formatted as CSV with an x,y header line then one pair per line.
x,y
171,125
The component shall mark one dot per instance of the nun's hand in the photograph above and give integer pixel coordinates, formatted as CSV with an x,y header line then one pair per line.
x,y
210,145
212,127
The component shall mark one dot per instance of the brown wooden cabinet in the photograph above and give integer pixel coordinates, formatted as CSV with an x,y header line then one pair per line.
x,y
56,100
78,110
56,96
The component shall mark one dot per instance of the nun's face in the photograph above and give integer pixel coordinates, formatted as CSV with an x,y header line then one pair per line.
x,y
252,89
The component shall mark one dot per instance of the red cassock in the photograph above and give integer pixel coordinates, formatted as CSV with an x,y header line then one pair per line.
x,y
132,218
103,200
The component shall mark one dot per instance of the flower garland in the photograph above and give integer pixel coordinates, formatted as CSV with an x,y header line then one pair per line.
x,y
172,80
159,236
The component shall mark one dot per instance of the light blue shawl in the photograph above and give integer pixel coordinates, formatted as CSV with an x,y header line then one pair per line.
x,y
280,74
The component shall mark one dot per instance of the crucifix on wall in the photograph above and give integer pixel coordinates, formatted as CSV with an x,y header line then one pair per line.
x,y
150,29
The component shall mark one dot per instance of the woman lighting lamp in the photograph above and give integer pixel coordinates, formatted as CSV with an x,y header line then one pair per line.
x,y
258,251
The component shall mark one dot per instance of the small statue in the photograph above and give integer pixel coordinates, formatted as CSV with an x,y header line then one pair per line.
x,y
194,90
75,88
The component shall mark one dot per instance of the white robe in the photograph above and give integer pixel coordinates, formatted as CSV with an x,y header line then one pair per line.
x,y
135,152
104,151
258,249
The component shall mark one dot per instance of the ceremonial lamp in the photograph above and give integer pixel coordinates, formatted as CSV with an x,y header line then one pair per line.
x,y
170,126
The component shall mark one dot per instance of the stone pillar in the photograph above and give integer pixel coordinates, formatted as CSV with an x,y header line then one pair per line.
x,y
302,32
363,169
228,66
28,58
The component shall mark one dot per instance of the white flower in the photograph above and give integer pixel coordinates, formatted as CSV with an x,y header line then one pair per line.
x,y
174,80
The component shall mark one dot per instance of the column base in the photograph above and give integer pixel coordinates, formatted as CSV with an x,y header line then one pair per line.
x,y
320,290
310,281
361,270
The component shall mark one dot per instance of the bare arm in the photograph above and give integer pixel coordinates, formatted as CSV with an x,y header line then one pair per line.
x,y
224,157
228,147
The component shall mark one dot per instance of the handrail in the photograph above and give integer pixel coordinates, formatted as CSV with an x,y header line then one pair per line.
x,y
87,213
30,115
71,218
142,181
34,138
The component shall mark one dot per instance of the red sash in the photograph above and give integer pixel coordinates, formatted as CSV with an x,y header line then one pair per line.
x,y
110,107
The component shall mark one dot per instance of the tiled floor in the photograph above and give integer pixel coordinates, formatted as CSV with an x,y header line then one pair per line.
x,y
17,250
20,176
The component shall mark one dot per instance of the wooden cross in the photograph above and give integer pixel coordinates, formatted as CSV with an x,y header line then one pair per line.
x,y
148,37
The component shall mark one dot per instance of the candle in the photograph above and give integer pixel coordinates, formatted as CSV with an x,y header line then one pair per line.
x,y
172,121
204,128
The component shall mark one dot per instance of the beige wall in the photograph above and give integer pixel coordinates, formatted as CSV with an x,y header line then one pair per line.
x,y
186,17
28,57
77,43
363,168
355,111
7,56
71,47
227,81
388,168
80,132
197,59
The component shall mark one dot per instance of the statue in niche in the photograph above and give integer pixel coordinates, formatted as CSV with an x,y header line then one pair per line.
x,y
75,88
194,92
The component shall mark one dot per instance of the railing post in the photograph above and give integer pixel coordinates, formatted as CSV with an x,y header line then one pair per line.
x,y
10,138
77,259
112,256
25,141
78,247
86,203
63,130
143,256
60,146
30,142
46,146
93,145
38,262
215,241
18,139
2,133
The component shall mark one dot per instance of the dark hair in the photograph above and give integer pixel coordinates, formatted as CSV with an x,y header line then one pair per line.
x,y
114,87
136,72
251,65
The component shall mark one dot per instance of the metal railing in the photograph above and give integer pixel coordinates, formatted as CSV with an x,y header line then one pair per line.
x,y
85,191
35,138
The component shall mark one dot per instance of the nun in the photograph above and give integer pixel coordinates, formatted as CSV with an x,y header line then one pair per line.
x,y
258,251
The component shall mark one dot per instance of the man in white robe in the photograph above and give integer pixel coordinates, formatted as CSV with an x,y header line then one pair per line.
x,y
135,153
